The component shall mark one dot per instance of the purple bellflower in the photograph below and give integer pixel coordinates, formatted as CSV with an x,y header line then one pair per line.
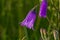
x,y
29,20
43,9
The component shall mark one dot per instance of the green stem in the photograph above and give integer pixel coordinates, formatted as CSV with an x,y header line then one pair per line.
x,y
26,33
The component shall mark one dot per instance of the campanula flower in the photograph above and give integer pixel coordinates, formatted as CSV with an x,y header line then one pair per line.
x,y
43,9
30,19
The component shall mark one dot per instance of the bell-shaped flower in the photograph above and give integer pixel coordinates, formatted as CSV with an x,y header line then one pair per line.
x,y
30,19
43,9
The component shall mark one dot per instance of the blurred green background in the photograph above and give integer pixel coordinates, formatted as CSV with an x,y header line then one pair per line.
x,y
14,11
